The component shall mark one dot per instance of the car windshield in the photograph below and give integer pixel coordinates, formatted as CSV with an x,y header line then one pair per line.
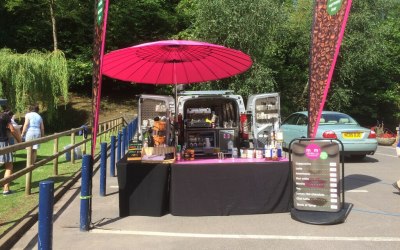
x,y
337,118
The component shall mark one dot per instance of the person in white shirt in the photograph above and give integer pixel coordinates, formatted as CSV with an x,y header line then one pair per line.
x,y
33,128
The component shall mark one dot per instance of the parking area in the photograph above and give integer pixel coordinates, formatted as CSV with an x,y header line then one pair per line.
x,y
373,223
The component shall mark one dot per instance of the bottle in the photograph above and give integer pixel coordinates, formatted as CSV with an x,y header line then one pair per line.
x,y
235,153
244,129
178,153
279,149
268,153
274,153
230,146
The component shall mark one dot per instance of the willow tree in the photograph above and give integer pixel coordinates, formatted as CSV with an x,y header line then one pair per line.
x,y
33,77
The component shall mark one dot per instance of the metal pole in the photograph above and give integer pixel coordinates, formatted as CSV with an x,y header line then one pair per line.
x,y
86,192
103,168
46,201
119,146
112,156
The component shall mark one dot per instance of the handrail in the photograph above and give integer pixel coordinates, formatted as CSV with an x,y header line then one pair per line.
x,y
24,145
37,164
116,123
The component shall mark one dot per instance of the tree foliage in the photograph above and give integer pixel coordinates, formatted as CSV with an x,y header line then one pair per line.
x,y
275,33
33,77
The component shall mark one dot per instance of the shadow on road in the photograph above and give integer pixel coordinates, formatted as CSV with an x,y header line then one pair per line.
x,y
365,159
355,181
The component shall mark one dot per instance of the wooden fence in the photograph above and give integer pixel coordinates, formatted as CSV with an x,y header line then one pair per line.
x,y
105,130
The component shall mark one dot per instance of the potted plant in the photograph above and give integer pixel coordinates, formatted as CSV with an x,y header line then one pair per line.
x,y
384,136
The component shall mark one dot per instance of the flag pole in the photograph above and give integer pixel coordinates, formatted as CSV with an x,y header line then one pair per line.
x,y
101,12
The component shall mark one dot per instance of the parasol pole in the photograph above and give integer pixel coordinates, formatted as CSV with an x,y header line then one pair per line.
x,y
176,91
176,105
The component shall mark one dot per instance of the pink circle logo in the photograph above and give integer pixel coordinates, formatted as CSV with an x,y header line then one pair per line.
x,y
313,151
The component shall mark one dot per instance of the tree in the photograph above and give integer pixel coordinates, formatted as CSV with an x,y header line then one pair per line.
x,y
274,33
53,23
34,77
277,35
367,78
250,26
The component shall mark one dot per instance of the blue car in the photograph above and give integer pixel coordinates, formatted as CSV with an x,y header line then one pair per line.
x,y
357,141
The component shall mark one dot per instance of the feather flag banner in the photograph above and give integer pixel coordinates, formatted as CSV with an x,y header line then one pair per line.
x,y
101,12
330,19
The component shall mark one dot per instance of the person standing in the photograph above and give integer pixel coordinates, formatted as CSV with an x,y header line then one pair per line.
x,y
7,159
33,128
15,125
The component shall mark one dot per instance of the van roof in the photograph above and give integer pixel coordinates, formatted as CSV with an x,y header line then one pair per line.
x,y
207,92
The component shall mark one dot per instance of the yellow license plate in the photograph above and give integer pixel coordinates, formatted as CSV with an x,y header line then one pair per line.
x,y
352,135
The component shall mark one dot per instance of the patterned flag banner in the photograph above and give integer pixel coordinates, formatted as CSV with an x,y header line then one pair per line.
x,y
330,19
101,10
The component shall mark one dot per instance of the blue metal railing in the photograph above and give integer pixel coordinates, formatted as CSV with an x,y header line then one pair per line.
x,y
46,202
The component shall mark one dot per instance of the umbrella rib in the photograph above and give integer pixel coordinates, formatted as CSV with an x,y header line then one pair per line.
x,y
183,65
234,58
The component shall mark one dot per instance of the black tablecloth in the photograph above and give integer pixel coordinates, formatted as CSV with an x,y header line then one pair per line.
x,y
143,188
229,189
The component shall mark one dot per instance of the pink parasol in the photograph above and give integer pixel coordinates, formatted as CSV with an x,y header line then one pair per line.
x,y
174,62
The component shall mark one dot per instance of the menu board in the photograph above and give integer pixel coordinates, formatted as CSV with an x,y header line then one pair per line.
x,y
316,176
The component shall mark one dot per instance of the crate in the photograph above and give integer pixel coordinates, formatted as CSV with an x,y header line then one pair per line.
x,y
134,151
154,151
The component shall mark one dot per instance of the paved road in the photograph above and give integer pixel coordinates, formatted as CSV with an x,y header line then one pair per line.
x,y
373,223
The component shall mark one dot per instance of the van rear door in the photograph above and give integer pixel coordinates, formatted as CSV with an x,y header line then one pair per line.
x,y
151,106
265,117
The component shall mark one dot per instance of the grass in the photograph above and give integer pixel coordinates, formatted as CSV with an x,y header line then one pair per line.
x,y
15,206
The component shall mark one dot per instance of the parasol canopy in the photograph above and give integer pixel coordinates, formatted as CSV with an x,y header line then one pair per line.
x,y
174,62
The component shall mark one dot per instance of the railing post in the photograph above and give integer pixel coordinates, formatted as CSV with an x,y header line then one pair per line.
x,y
123,141
112,156
103,168
134,127
55,161
128,132
86,192
99,132
28,176
119,145
131,128
109,129
46,202
104,130
73,149
126,140
84,136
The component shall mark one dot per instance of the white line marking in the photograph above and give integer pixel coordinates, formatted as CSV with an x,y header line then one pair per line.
x,y
386,155
114,186
357,191
243,236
